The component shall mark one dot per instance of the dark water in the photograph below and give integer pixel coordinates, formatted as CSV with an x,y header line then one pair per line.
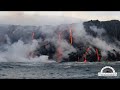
x,y
68,70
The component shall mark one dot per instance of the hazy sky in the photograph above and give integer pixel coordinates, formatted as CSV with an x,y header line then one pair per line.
x,y
51,17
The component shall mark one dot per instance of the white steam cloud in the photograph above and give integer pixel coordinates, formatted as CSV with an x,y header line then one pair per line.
x,y
99,31
18,51
21,18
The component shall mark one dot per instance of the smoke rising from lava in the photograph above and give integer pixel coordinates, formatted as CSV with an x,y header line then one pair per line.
x,y
17,51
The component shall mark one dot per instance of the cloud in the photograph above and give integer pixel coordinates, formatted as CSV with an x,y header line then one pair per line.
x,y
35,18
54,17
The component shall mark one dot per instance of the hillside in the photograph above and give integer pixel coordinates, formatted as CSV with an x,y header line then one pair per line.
x,y
91,41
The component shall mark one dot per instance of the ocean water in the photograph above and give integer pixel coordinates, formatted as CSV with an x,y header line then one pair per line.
x,y
54,70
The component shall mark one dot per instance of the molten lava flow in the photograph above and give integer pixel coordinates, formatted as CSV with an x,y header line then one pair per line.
x,y
31,54
71,36
97,54
59,54
85,60
88,49
33,34
59,50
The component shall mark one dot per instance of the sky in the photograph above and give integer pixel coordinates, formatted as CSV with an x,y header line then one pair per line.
x,y
54,17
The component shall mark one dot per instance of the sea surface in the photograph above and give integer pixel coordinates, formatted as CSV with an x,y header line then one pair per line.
x,y
54,70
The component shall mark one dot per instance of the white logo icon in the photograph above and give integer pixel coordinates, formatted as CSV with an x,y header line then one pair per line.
x,y
102,73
